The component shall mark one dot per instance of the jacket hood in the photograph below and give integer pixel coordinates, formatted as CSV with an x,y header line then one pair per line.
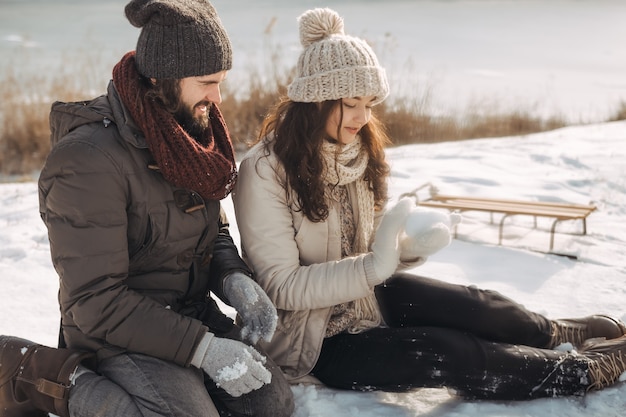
x,y
65,117
105,109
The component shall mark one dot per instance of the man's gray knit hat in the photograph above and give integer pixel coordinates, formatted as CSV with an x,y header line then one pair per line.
x,y
179,38
334,65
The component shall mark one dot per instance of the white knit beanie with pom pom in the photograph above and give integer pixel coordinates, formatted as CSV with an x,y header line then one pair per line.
x,y
334,65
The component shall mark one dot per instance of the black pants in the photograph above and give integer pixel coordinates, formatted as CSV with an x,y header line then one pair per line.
x,y
477,342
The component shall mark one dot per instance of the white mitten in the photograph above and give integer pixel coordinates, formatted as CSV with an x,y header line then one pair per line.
x,y
385,249
426,232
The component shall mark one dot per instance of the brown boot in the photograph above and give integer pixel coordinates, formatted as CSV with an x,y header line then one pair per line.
x,y
607,361
35,379
576,331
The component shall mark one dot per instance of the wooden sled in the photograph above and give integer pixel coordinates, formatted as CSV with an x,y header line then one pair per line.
x,y
558,211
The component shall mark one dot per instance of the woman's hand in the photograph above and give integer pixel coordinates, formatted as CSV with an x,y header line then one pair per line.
x,y
385,249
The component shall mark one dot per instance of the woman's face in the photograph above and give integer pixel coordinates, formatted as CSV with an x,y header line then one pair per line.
x,y
356,114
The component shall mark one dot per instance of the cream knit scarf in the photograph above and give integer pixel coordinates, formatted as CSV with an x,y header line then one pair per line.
x,y
345,164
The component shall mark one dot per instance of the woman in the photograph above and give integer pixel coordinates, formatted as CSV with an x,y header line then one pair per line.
x,y
309,204
130,195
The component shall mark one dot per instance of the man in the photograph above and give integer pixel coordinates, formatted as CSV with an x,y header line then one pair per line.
x,y
130,196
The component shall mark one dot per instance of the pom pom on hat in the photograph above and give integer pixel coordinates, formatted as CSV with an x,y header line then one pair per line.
x,y
319,24
334,65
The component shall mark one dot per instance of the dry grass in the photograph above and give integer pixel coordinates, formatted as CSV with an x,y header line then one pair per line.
x,y
246,105
24,110
25,104
24,132
620,112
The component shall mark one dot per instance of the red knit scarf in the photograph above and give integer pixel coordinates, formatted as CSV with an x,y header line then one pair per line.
x,y
206,165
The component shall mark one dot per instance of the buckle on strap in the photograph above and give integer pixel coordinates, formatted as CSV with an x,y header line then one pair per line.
x,y
52,389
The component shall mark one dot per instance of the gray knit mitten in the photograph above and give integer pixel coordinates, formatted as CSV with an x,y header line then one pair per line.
x,y
256,310
232,365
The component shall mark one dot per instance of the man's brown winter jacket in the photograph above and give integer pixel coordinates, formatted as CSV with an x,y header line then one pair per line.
x,y
130,249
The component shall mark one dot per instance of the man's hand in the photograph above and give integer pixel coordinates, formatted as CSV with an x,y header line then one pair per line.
x,y
256,310
232,365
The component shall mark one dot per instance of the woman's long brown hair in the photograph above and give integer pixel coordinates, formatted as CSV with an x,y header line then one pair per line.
x,y
296,132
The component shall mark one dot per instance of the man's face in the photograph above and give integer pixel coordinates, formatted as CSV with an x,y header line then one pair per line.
x,y
196,96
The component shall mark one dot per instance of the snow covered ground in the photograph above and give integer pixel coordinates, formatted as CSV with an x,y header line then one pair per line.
x,y
557,57
576,164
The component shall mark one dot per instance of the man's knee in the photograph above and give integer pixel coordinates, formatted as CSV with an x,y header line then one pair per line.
x,y
276,398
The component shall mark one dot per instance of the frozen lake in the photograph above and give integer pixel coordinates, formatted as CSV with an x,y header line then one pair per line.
x,y
552,57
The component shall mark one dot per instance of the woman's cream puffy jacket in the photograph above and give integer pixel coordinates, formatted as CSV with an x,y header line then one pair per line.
x,y
296,261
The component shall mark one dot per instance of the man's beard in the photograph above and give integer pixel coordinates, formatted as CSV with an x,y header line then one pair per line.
x,y
195,126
